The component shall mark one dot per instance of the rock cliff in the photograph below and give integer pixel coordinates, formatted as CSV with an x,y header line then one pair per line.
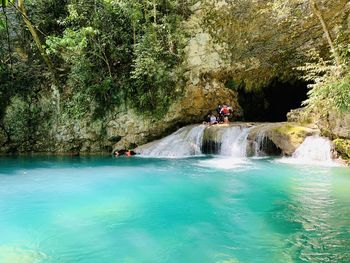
x,y
248,48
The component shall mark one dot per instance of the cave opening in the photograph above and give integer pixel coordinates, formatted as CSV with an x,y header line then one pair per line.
x,y
272,102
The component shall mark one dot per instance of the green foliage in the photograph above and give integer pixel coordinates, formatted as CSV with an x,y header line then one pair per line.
x,y
157,53
330,88
121,52
154,82
107,54
72,43
47,15
94,54
2,24
5,3
18,116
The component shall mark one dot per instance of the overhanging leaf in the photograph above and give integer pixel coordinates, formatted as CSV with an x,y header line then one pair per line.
x,y
4,3
2,24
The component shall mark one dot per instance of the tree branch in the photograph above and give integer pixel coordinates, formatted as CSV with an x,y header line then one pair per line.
x,y
319,15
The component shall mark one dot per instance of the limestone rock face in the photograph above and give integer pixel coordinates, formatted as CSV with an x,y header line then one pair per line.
x,y
260,40
192,107
333,125
199,99
336,125
119,129
79,136
214,133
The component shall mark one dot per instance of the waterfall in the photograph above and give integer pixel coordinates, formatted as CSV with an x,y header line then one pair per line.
x,y
187,141
233,149
234,142
231,143
314,148
262,145
259,144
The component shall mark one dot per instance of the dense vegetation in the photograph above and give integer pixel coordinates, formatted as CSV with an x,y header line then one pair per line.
x,y
98,54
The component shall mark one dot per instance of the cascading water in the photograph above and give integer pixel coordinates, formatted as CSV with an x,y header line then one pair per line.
x,y
314,148
233,149
234,142
186,141
260,143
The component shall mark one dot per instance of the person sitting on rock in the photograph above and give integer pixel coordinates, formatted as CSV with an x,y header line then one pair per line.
x,y
226,112
218,108
213,119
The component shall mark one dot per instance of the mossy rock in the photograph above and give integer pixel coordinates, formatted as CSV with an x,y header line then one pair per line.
x,y
214,133
288,136
294,130
342,146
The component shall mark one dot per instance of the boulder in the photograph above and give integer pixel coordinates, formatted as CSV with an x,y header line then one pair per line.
x,y
285,136
335,125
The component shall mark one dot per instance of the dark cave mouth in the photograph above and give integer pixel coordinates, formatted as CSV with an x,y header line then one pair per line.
x,y
272,102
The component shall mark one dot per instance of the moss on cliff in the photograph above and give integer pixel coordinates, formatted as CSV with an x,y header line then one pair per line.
x,y
342,146
293,131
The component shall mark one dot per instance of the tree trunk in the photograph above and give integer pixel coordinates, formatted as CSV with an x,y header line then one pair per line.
x,y
48,62
8,38
155,11
319,15
134,32
36,38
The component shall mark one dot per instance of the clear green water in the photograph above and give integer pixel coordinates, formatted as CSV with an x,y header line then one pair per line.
x,y
177,210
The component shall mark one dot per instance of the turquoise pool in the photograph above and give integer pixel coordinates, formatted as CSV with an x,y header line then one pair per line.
x,y
207,209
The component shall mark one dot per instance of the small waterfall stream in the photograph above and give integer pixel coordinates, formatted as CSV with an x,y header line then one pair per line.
x,y
234,142
186,141
314,148
259,143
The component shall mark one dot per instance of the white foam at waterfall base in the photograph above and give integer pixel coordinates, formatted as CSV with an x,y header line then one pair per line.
x,y
233,150
315,150
224,162
185,142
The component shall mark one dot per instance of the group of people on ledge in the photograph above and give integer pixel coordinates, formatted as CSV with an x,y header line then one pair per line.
x,y
220,115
